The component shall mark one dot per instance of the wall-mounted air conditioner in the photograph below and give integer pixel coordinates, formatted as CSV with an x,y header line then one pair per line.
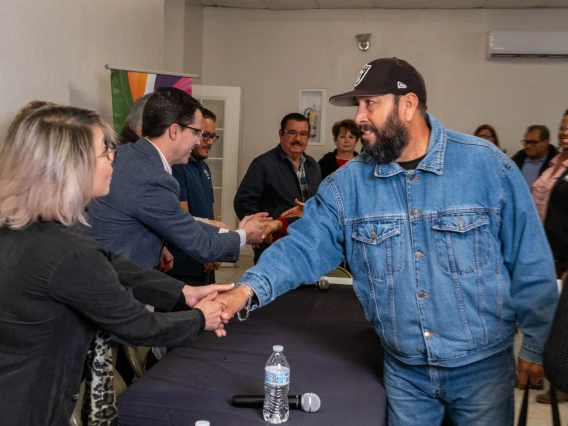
x,y
527,44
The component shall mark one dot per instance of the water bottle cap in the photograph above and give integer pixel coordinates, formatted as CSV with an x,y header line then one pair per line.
x,y
277,348
202,423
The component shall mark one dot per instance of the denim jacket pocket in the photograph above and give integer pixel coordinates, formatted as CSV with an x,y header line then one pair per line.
x,y
378,246
462,241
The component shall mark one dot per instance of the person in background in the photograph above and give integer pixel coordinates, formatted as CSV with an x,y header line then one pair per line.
x,y
278,177
346,134
63,293
487,132
132,130
535,157
550,194
197,198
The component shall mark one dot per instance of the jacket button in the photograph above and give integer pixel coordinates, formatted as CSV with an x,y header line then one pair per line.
x,y
423,294
415,211
418,255
429,334
414,177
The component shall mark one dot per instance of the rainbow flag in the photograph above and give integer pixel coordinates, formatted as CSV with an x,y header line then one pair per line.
x,y
128,86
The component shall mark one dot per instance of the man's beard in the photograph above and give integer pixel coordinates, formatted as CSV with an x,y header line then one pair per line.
x,y
197,156
390,140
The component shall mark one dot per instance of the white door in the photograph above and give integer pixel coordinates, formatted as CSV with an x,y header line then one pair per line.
x,y
225,103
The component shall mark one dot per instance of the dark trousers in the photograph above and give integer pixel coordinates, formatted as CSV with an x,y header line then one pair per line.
x,y
194,280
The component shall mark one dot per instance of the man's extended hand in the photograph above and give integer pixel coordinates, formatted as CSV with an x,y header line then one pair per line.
x,y
295,211
194,294
212,313
525,370
253,225
166,261
233,301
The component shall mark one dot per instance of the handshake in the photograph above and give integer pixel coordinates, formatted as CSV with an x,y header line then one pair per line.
x,y
218,302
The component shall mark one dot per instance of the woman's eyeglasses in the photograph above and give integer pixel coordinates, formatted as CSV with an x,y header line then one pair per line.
x,y
109,152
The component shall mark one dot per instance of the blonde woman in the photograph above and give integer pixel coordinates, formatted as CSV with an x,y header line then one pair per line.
x,y
62,294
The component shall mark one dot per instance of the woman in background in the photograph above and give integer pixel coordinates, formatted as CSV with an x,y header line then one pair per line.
x,y
60,293
487,132
346,134
550,194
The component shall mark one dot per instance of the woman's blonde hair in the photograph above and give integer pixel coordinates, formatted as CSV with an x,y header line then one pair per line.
x,y
47,165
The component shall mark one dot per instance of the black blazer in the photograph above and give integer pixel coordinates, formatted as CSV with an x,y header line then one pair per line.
x,y
271,185
519,158
328,163
57,288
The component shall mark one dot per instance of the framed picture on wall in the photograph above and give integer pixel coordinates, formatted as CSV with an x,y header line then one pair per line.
x,y
312,105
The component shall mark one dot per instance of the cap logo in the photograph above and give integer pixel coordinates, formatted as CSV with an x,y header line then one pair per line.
x,y
400,85
362,74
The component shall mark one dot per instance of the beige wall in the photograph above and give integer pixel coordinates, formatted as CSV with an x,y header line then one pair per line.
x,y
56,50
183,37
273,54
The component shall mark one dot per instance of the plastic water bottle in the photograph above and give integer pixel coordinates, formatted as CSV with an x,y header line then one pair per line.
x,y
276,385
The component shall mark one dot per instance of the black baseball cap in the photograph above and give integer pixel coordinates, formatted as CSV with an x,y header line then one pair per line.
x,y
382,77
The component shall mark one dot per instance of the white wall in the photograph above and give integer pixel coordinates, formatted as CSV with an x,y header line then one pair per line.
x,y
273,54
56,50
183,37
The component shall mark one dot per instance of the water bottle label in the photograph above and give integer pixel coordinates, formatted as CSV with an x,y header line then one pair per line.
x,y
278,379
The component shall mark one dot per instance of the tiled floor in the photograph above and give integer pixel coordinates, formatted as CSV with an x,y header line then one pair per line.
x,y
539,414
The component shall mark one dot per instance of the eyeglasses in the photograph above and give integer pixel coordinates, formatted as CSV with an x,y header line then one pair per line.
x,y
206,136
562,128
196,132
303,134
109,152
526,142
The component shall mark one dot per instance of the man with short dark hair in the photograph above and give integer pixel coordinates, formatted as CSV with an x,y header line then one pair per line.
x,y
278,177
197,198
446,249
142,210
535,157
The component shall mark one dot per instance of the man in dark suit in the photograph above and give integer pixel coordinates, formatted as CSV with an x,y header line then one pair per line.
x,y
277,178
142,210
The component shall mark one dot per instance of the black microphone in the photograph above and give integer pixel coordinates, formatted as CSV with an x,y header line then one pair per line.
x,y
322,284
308,402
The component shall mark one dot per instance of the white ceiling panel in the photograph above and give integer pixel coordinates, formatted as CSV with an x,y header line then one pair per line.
x,y
241,4
385,4
290,4
342,4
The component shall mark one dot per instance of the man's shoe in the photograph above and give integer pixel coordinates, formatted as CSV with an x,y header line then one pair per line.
x,y
544,398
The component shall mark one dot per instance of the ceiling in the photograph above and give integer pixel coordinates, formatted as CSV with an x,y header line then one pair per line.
x,y
384,4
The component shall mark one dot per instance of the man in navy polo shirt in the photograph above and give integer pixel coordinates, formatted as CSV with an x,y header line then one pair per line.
x,y
196,197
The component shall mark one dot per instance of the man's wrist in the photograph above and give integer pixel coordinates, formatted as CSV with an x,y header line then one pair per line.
x,y
243,236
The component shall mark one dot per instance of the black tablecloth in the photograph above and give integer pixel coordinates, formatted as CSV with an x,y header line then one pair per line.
x,y
332,350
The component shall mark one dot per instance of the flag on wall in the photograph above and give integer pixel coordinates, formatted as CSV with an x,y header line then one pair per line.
x,y
128,86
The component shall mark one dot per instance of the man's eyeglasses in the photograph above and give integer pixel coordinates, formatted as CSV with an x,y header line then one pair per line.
x,y
526,142
206,136
294,133
196,132
109,152
562,128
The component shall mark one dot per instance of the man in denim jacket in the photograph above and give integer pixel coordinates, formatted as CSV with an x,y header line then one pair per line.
x,y
446,249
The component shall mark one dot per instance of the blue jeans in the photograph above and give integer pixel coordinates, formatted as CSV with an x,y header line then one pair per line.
x,y
481,393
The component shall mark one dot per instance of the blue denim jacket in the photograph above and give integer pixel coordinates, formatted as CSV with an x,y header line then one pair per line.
x,y
446,259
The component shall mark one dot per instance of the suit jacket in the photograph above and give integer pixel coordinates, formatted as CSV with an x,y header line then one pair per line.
x,y
58,288
519,158
142,211
271,185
